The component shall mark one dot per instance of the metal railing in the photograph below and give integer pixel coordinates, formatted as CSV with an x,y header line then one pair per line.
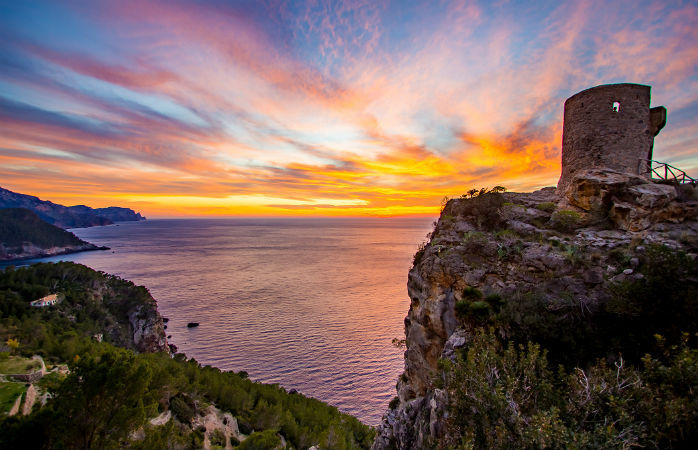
x,y
664,171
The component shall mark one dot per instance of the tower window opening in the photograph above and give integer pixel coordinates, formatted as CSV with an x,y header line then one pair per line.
x,y
616,106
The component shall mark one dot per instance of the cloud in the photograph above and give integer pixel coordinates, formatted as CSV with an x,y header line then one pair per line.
x,y
387,106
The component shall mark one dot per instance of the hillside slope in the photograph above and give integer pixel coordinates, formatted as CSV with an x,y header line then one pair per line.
x,y
24,235
512,286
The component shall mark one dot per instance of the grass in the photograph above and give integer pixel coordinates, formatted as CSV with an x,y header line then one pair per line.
x,y
17,364
8,395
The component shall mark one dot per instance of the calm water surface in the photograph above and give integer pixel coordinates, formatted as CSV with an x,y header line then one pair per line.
x,y
311,304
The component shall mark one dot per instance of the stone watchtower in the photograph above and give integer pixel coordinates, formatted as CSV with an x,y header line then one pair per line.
x,y
609,126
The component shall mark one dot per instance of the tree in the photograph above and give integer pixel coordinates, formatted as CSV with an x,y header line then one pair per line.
x,y
101,400
13,344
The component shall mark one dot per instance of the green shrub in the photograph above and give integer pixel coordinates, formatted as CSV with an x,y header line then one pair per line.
x,y
479,307
217,438
471,293
565,220
546,206
664,301
419,253
573,255
486,211
504,396
495,300
245,427
182,410
261,440
462,308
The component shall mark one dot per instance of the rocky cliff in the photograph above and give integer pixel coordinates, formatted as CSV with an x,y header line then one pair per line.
x,y
132,312
506,259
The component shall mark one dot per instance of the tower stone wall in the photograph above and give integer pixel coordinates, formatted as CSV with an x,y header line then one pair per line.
x,y
609,126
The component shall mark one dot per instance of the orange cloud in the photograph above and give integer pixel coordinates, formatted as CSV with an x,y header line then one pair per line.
x,y
351,108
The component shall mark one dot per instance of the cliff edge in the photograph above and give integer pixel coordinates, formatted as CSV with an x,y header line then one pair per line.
x,y
571,272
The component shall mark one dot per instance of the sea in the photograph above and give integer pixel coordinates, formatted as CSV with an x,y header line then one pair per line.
x,y
310,304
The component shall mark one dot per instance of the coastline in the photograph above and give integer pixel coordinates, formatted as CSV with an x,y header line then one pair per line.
x,y
66,251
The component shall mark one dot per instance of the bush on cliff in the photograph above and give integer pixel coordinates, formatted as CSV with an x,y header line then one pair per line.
x,y
626,368
565,220
504,396
482,210
661,299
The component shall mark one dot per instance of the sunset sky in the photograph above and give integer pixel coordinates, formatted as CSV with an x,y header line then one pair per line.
x,y
367,107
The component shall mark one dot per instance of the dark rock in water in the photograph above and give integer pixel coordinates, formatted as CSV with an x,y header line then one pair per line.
x,y
192,324
173,348
165,327
293,391
169,336
165,319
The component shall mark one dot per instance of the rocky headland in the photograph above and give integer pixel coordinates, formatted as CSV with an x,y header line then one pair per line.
x,y
546,267
79,216
23,235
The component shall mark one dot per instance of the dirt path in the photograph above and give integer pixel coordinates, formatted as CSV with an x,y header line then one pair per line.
x,y
15,408
29,399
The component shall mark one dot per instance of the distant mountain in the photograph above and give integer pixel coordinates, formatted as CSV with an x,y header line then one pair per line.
x,y
24,235
118,214
79,216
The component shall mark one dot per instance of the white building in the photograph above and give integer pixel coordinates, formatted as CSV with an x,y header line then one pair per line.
x,y
49,300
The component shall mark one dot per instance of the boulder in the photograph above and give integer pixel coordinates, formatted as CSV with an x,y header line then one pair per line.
x,y
629,202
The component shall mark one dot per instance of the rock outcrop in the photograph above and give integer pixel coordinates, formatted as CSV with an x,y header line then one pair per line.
x,y
629,202
214,420
148,329
563,249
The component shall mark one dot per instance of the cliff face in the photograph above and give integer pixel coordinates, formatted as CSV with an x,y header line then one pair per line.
x,y
137,324
561,252
147,329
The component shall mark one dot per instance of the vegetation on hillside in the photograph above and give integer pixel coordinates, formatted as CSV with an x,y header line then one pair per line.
x,y
18,225
92,303
111,392
621,376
